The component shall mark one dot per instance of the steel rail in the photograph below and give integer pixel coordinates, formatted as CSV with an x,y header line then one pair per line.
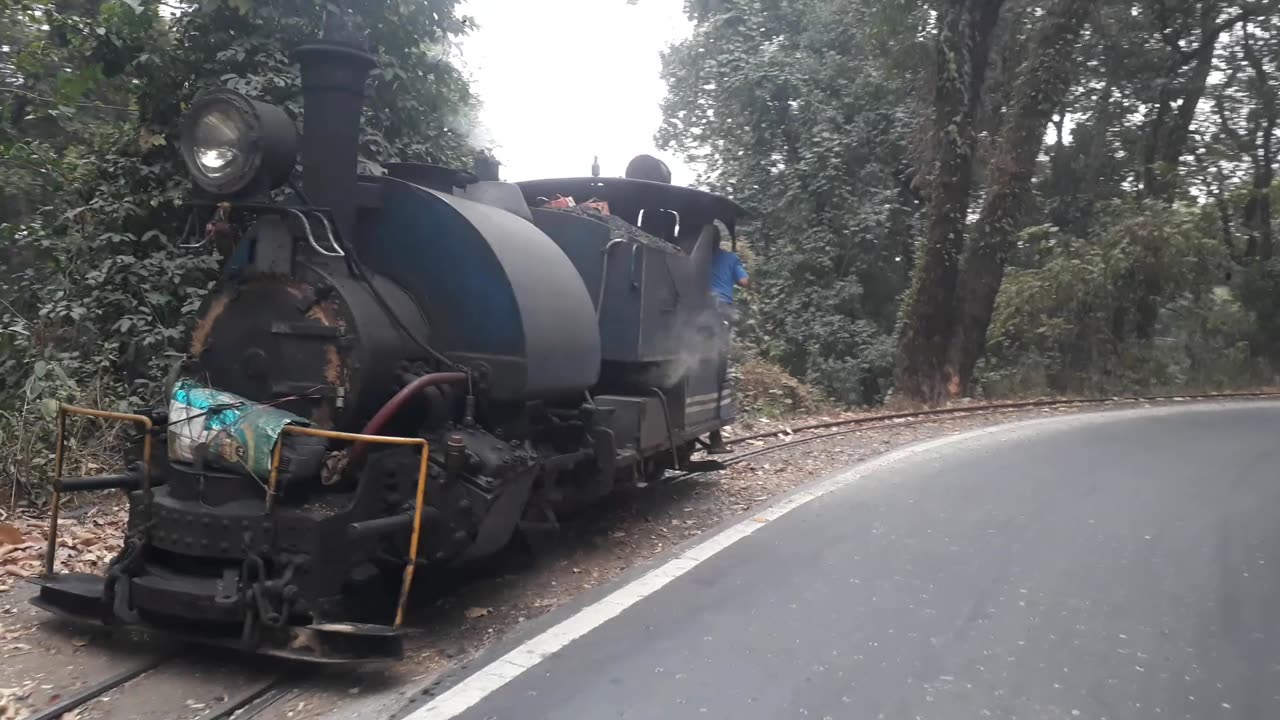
x,y
248,703
92,692
257,698
919,417
1011,405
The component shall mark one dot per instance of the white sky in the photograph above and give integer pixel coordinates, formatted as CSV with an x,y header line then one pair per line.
x,y
564,81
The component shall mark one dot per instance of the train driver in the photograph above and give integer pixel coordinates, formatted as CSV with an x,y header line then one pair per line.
x,y
727,275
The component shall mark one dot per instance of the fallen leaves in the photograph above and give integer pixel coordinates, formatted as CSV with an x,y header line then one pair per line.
x,y
10,535
9,704
12,634
89,539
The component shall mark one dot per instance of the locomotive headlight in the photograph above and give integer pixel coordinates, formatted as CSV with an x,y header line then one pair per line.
x,y
234,145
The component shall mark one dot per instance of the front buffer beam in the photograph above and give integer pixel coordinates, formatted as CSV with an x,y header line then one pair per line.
x,y
81,597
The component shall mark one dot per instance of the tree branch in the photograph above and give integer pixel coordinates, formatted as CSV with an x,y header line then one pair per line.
x,y
1209,35
33,168
101,106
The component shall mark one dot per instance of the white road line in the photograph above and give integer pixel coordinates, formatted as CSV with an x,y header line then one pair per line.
x,y
480,684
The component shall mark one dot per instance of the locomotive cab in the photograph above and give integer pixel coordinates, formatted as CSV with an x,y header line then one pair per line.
x,y
394,376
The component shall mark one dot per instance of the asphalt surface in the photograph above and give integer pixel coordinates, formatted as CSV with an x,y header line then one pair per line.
x,y
1121,565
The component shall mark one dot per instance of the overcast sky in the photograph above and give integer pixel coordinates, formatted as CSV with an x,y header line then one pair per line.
x,y
562,82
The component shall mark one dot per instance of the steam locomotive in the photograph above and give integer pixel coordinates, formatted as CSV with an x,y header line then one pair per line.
x,y
396,373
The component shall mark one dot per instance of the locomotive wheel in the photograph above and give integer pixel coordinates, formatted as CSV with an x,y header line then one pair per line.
x,y
537,531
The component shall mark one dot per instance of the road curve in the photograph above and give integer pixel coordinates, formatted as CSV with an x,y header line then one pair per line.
x,y
1115,565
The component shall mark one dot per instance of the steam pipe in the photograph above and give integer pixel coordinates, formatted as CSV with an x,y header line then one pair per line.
x,y
377,527
333,80
392,407
671,433
122,481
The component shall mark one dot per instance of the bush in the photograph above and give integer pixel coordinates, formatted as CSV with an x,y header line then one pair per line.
x,y
97,305
1139,306
1258,287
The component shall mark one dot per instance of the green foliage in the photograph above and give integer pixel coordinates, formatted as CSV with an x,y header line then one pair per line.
x,y
1258,287
802,111
95,295
1073,325
811,113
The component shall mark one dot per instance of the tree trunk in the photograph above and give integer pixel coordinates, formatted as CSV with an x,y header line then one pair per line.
x,y
965,28
1077,172
1258,208
1160,178
901,233
1042,86
1218,193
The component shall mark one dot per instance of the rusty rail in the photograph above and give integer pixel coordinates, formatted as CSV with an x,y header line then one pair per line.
x,y
863,423
997,407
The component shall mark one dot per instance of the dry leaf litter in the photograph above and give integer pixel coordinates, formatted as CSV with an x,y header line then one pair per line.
x,y
88,538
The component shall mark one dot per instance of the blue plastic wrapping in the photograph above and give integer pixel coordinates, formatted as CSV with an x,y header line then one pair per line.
x,y
224,430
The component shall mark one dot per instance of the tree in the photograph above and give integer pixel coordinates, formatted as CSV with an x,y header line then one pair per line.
x,y
804,111
964,37
1190,30
1066,126
1243,141
1042,85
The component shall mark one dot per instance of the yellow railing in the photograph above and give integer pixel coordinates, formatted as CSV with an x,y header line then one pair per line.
x,y
51,547
273,482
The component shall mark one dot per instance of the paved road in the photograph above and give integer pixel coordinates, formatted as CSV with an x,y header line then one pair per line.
x,y
1124,565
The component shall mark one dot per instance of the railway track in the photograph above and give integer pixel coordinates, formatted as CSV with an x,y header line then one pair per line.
x,y
242,703
879,421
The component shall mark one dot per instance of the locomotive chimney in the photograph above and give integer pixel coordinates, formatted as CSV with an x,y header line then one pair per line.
x,y
334,71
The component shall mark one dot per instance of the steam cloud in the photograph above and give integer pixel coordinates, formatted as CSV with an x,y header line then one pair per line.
x,y
701,337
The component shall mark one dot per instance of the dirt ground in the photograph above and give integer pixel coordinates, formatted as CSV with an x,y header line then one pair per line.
x,y
45,658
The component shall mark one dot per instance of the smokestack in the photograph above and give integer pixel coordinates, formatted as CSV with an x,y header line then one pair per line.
x,y
333,79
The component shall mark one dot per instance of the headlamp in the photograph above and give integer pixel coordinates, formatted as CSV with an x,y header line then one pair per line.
x,y
237,146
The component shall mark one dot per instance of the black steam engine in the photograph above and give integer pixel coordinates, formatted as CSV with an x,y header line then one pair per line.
x,y
397,372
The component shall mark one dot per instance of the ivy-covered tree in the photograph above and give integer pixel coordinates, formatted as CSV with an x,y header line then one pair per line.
x,y
965,33
1043,80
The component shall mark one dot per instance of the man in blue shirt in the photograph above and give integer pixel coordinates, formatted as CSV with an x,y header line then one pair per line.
x,y
727,275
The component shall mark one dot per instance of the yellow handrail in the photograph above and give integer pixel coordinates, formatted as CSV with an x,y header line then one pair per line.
x,y
273,482
51,547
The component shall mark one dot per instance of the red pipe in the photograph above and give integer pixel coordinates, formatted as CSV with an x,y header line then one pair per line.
x,y
388,411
